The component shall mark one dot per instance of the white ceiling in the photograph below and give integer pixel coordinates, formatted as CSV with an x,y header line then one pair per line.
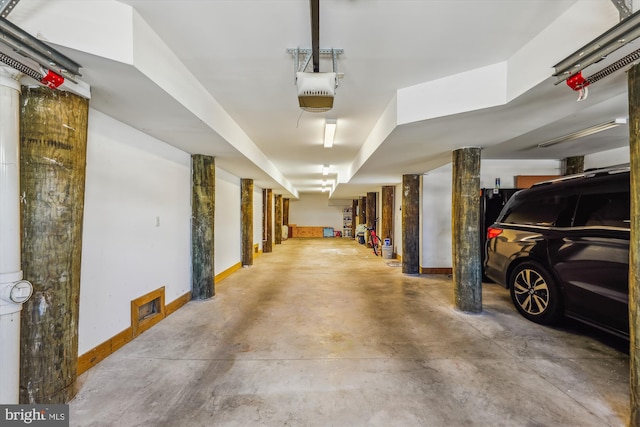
x,y
236,51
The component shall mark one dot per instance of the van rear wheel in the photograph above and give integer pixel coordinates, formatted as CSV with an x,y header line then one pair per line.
x,y
535,293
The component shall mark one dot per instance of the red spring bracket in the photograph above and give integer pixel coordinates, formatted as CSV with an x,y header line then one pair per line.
x,y
577,82
52,80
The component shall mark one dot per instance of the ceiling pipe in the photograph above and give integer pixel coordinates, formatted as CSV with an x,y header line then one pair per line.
x,y
315,34
13,289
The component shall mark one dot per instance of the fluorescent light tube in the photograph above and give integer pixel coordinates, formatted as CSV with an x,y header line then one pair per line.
x,y
582,133
329,132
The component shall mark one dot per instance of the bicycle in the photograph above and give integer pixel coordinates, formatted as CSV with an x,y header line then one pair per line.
x,y
374,240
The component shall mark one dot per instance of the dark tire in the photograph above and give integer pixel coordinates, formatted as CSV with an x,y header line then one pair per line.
x,y
375,245
535,293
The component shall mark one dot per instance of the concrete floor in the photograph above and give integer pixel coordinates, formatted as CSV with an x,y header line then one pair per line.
x,y
322,333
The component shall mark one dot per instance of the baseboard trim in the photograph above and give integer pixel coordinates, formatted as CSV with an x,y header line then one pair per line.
x,y
97,354
430,270
174,305
100,352
228,272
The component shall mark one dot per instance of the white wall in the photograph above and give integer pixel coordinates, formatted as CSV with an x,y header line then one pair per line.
x,y
227,235
436,218
314,210
436,201
136,235
507,170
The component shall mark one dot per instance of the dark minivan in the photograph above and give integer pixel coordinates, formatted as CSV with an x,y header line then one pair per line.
x,y
562,248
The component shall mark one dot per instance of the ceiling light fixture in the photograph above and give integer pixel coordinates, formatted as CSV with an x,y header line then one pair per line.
x,y
329,132
325,170
585,132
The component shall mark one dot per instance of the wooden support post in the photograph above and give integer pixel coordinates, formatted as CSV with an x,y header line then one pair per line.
x,y
203,192
267,245
354,213
372,213
278,219
53,145
465,224
634,245
573,165
285,211
246,218
386,219
362,212
411,224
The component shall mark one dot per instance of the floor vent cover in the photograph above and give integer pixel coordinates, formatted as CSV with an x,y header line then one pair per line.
x,y
147,310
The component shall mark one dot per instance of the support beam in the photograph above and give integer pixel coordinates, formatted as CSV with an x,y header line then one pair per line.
x,y
465,223
362,210
285,211
315,33
411,223
267,244
634,245
278,219
246,218
386,219
53,145
372,213
573,165
203,176
354,217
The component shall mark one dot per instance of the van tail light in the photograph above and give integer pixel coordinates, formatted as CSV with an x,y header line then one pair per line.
x,y
493,232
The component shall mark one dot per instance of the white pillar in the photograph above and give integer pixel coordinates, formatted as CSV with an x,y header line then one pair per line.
x,y
13,290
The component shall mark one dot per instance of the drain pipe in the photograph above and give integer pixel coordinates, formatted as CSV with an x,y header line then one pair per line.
x,y
13,290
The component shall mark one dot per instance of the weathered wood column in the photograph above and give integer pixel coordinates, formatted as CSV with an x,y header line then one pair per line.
x,y
354,213
411,224
371,213
634,246
573,165
278,219
267,244
285,211
246,218
386,219
362,212
203,192
465,225
53,145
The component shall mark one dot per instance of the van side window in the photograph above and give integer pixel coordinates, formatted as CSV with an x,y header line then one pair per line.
x,y
545,211
603,210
